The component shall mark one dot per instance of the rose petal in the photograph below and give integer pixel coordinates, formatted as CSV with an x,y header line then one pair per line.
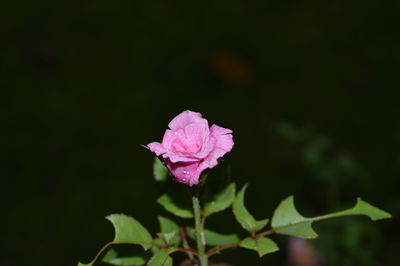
x,y
157,148
170,136
185,118
207,148
217,130
167,139
212,158
223,136
175,158
223,144
184,172
197,133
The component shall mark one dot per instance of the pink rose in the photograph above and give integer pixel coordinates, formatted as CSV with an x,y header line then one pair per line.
x,y
190,146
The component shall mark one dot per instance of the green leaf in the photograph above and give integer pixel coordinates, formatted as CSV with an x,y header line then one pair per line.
x,y
223,200
168,262
159,258
129,230
158,242
111,257
167,237
287,220
301,229
242,215
111,254
262,245
169,205
128,261
286,213
144,146
89,264
214,238
167,227
364,208
160,172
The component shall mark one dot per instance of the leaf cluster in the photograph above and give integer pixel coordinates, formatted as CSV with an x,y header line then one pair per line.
x,y
173,237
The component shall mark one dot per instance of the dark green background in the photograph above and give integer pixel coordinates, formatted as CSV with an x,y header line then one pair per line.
x,y
84,83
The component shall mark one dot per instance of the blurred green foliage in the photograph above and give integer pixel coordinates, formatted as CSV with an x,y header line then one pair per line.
x,y
84,83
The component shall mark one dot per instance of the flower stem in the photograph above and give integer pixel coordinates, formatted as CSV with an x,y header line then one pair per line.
x,y
199,232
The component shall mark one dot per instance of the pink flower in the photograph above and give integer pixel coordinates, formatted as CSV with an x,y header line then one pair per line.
x,y
189,147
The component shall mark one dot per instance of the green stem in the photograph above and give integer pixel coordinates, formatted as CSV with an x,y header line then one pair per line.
x,y
199,232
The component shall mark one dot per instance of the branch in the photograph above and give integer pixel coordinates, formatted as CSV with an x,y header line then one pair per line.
x,y
183,234
236,244
182,249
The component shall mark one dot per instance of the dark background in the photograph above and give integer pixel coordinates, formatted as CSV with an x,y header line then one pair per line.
x,y
309,89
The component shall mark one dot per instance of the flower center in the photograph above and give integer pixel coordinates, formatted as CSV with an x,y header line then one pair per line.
x,y
185,146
